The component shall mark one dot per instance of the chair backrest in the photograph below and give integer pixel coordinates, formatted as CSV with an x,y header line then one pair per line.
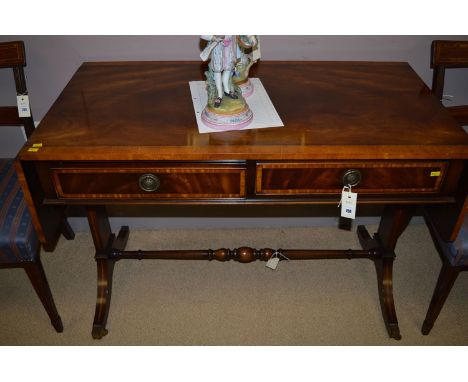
x,y
12,55
446,54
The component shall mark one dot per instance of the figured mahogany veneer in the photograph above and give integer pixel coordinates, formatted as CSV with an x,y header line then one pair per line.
x,y
118,182
327,177
331,110
184,182
115,122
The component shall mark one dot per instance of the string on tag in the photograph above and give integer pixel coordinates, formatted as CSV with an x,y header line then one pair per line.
x,y
279,253
447,97
345,189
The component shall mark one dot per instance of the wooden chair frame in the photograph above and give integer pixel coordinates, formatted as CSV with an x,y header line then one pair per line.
x,y
446,55
12,55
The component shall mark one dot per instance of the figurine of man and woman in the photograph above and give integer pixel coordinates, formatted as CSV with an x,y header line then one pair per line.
x,y
223,52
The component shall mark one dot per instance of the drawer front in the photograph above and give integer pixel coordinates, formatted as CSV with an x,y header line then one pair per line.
x,y
275,178
149,182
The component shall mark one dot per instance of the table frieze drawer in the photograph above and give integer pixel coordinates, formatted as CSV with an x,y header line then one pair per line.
x,y
376,177
149,182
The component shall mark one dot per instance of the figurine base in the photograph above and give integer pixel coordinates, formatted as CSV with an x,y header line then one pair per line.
x,y
247,88
220,121
263,110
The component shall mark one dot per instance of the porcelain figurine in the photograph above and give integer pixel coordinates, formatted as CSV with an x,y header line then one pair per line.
x,y
246,58
226,108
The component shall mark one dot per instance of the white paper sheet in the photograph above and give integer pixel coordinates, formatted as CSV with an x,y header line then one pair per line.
x,y
264,113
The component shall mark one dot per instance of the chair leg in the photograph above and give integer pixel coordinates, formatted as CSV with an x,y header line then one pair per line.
x,y
37,276
448,275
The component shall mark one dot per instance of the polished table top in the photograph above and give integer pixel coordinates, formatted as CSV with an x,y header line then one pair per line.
x,y
331,110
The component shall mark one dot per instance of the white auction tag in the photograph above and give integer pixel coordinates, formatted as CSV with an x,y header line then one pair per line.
x,y
274,260
23,106
348,204
272,263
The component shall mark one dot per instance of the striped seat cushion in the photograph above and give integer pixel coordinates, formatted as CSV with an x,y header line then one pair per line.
x,y
459,248
18,239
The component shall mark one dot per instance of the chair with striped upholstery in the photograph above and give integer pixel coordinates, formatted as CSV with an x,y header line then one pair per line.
x,y
19,245
449,224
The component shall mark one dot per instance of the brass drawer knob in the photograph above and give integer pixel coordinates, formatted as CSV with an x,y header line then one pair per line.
x,y
351,177
149,182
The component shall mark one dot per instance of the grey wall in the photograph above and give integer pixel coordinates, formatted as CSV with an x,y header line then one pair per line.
x,y
52,60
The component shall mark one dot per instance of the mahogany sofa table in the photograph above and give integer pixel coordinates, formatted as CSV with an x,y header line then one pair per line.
x,y
125,133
